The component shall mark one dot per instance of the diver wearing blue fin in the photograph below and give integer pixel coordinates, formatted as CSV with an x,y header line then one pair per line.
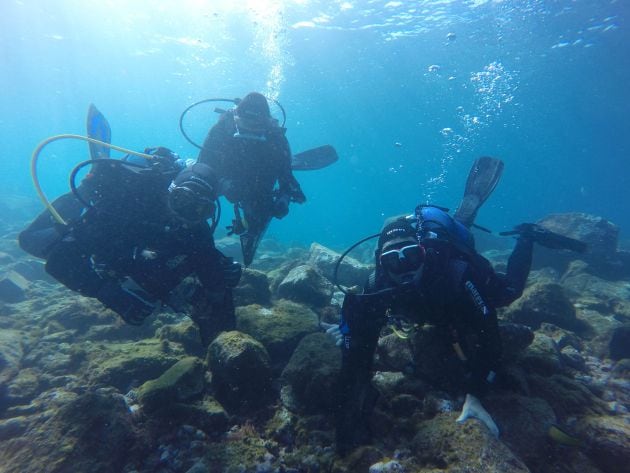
x,y
427,271
133,231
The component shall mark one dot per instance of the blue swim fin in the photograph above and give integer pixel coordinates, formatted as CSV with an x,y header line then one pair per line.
x,y
312,159
98,128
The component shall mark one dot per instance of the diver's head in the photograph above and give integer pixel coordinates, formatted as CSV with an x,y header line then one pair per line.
x,y
252,116
192,194
399,255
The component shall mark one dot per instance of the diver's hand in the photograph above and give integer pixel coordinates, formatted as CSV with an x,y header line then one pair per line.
x,y
334,331
473,408
281,206
298,196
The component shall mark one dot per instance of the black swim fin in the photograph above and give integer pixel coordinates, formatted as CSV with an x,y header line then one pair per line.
x,y
547,238
98,128
482,179
250,241
312,159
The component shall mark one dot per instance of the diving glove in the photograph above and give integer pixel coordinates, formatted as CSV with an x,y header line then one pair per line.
x,y
281,206
473,408
334,331
547,238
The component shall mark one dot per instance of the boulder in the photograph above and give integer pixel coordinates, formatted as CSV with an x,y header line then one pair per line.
x,y
351,272
125,364
599,234
13,287
253,288
93,432
241,373
443,444
181,382
312,373
279,328
544,302
607,438
305,284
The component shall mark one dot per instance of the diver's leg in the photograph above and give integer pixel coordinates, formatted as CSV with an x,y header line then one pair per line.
x,y
39,237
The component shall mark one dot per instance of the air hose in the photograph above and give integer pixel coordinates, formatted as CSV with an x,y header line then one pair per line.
x,y
43,144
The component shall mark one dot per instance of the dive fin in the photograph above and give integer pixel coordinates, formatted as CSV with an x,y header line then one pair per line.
x,y
312,159
98,128
482,179
547,238
250,242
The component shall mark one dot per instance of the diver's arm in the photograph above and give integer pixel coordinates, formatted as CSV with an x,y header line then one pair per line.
x,y
361,322
44,232
287,182
503,289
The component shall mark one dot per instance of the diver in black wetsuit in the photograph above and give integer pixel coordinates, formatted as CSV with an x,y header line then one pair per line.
x,y
250,154
133,233
427,271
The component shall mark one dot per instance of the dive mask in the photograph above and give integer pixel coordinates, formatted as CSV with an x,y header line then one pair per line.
x,y
403,260
191,197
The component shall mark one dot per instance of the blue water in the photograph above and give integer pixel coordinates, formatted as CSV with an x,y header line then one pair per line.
x,y
542,85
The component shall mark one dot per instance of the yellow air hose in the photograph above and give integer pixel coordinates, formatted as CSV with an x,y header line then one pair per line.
x,y
46,142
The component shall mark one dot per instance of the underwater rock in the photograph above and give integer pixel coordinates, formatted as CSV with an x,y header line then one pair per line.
x,y
184,333
93,432
542,356
351,272
11,353
181,382
524,422
253,288
277,275
607,441
619,346
33,269
13,287
566,395
580,283
312,373
279,328
443,444
13,427
394,353
515,338
306,285
544,303
241,374
599,234
24,387
230,246
125,364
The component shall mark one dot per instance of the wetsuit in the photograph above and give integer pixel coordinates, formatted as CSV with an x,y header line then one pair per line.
x,y
459,296
248,170
129,251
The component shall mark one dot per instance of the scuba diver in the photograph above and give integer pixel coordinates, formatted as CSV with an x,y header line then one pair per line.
x,y
428,272
250,154
133,230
